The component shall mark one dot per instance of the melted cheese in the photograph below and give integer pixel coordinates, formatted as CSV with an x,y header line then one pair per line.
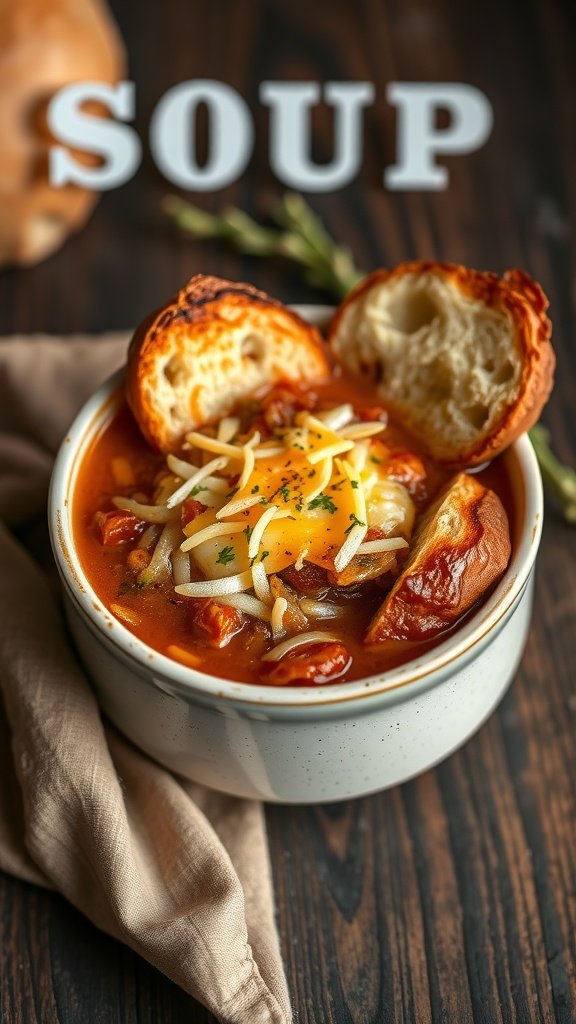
x,y
310,493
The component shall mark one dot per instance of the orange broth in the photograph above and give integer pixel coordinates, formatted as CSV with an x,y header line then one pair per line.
x,y
162,614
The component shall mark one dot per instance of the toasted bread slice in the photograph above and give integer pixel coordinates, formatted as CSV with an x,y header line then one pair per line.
x,y
460,549
213,344
462,358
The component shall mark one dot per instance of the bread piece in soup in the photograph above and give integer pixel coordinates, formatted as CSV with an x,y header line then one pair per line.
x,y
213,344
461,357
460,549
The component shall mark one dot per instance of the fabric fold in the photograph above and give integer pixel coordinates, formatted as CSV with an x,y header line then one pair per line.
x,y
179,873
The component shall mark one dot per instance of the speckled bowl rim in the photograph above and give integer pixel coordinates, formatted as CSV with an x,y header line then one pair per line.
x,y
394,686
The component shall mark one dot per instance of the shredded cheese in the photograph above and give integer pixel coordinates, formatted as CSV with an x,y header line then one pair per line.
x,y
258,531
385,544
323,477
329,451
248,466
260,582
212,444
183,491
228,428
277,617
209,533
237,505
357,431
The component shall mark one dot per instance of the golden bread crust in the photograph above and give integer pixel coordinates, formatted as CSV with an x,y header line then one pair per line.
x,y
213,344
460,549
523,303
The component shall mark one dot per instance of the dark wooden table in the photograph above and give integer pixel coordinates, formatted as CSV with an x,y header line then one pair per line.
x,y
451,898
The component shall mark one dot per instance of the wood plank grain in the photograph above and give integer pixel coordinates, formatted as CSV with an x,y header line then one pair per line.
x,y
452,898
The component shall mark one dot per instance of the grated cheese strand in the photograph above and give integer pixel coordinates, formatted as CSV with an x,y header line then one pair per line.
x,y
260,581
212,444
358,431
186,470
385,544
227,428
360,528
248,466
182,492
209,533
337,448
299,563
324,475
238,505
277,617
258,531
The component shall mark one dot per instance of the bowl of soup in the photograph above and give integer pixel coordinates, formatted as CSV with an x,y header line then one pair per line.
x,y
224,630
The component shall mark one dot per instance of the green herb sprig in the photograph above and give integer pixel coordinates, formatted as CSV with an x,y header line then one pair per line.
x,y
300,236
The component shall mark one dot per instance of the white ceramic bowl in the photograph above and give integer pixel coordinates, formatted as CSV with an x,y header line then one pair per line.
x,y
288,744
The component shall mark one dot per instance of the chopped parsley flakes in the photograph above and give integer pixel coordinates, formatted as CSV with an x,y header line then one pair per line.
x,y
355,522
323,501
226,555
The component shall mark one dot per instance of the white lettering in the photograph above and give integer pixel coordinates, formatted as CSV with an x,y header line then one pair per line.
x,y
420,141
117,144
290,132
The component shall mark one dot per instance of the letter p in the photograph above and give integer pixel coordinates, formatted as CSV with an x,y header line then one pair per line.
x,y
420,141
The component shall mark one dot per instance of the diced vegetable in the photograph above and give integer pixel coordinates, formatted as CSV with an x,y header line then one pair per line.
x,y
117,527
214,624
318,664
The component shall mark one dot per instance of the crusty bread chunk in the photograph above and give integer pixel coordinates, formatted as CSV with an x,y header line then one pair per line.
x,y
460,549
213,344
462,358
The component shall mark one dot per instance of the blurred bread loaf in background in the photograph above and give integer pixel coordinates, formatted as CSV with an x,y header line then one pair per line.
x,y
45,45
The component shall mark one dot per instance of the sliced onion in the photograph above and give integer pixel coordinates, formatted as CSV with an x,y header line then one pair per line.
x,y
319,609
250,605
149,513
385,544
181,570
217,588
303,639
159,565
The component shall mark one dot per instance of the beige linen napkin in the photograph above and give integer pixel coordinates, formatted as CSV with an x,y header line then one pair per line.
x,y
178,872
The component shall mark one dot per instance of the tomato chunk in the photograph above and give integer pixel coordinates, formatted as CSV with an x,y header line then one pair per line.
x,y
213,624
117,527
190,509
318,664
311,580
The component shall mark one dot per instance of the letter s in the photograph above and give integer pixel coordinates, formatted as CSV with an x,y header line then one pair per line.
x,y
117,144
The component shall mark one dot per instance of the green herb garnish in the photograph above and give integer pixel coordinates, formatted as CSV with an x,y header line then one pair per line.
x,y
226,555
355,522
323,501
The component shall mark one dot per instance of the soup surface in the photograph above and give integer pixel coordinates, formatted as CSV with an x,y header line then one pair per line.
x,y
288,521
